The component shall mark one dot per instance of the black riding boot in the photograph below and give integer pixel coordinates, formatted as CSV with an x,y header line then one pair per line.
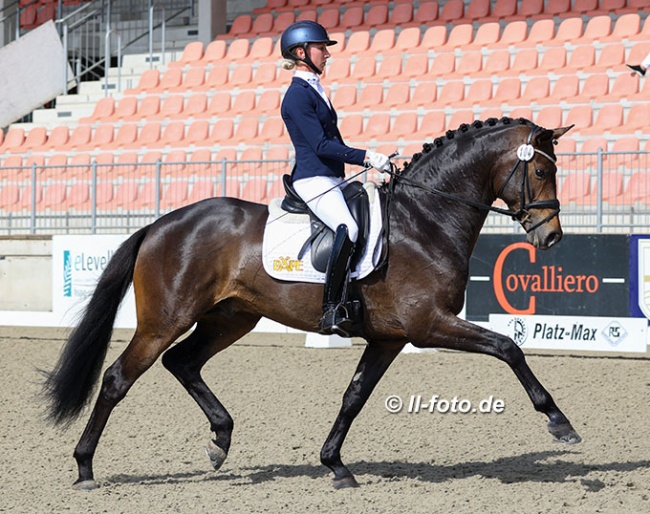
x,y
336,319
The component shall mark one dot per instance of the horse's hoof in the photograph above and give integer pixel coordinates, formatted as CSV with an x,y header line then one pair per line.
x,y
564,433
345,482
85,485
216,455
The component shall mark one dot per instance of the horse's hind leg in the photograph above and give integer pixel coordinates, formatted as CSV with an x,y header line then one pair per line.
x,y
140,354
373,364
215,332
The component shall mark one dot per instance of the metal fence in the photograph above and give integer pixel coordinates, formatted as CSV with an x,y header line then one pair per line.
x,y
601,192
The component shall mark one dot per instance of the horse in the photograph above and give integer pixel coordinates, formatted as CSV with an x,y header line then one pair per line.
x,y
200,266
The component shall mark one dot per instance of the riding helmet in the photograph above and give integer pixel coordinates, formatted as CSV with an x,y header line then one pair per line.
x,y
302,33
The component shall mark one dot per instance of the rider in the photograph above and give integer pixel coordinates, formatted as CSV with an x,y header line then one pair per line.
x,y
320,155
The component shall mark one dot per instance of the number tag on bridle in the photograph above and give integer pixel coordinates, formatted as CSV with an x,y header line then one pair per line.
x,y
525,152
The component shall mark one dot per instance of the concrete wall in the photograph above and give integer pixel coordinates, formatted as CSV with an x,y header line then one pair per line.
x,y
26,273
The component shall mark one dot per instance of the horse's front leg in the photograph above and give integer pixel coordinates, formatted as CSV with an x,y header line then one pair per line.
x,y
461,335
374,362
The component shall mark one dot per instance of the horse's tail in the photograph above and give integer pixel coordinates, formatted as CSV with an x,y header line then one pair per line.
x,y
69,386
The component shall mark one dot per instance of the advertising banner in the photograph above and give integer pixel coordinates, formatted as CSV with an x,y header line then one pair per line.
x,y
584,275
640,276
588,333
77,263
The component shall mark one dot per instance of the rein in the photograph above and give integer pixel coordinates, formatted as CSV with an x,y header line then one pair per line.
x,y
525,154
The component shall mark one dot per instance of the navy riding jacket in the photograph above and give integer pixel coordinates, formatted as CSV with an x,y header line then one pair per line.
x,y
312,127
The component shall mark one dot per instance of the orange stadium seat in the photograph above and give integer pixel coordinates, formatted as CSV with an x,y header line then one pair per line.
x,y
175,194
356,44
104,195
273,130
104,109
503,10
216,78
9,197
104,163
582,58
514,32
486,35
241,26
14,138
80,165
382,42
644,35
564,89
415,67
126,135
33,161
524,61
528,9
630,159
352,17
58,137
581,116
479,92
638,189
14,163
400,16
266,74
459,37
575,187
549,117
219,105
329,18
170,80
540,32
192,53
407,39
626,26
214,53
127,107
469,64
552,61
54,196
243,103
389,67
451,93
507,90
126,164
351,126
612,57
557,8
568,30
282,21
496,63
364,68
404,126
637,120
246,130
172,135
80,136
193,79
370,97
241,76
432,125
477,10
535,88
424,95
594,87
598,28
625,86
262,24
452,12
78,197
149,135
261,49
397,95
126,194
611,189
427,13
35,139
201,190
196,105
149,80
254,190
443,65
171,106
268,102
222,132
148,107
338,71
56,168
376,15
345,97
432,39
238,50
232,187
307,15
31,197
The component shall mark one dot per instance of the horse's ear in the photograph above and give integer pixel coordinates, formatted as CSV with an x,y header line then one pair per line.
x,y
559,132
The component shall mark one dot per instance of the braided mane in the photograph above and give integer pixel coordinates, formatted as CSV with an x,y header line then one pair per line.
x,y
450,134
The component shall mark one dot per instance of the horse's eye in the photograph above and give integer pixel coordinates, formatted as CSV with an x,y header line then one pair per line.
x,y
539,173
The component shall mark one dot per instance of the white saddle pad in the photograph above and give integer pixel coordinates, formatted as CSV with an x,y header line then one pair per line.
x,y
285,234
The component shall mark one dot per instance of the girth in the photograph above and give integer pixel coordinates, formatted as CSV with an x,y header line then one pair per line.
x,y
321,238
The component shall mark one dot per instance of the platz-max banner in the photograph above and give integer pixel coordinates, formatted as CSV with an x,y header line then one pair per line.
x,y
583,275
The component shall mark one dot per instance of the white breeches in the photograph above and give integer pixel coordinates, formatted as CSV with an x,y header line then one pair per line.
x,y
325,199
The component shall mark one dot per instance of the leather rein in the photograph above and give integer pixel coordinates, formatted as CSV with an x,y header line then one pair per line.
x,y
525,154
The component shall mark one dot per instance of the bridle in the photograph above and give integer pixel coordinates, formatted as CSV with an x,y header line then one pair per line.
x,y
525,154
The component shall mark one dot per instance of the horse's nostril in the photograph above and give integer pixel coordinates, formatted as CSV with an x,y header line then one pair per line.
x,y
554,238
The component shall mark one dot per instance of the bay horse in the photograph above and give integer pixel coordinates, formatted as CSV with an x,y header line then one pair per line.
x,y
202,264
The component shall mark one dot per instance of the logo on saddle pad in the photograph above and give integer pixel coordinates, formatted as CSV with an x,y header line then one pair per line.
x,y
286,235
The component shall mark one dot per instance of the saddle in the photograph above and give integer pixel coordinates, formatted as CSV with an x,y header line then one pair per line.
x,y
322,237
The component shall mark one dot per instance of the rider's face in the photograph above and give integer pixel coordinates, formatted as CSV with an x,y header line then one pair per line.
x,y
318,53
